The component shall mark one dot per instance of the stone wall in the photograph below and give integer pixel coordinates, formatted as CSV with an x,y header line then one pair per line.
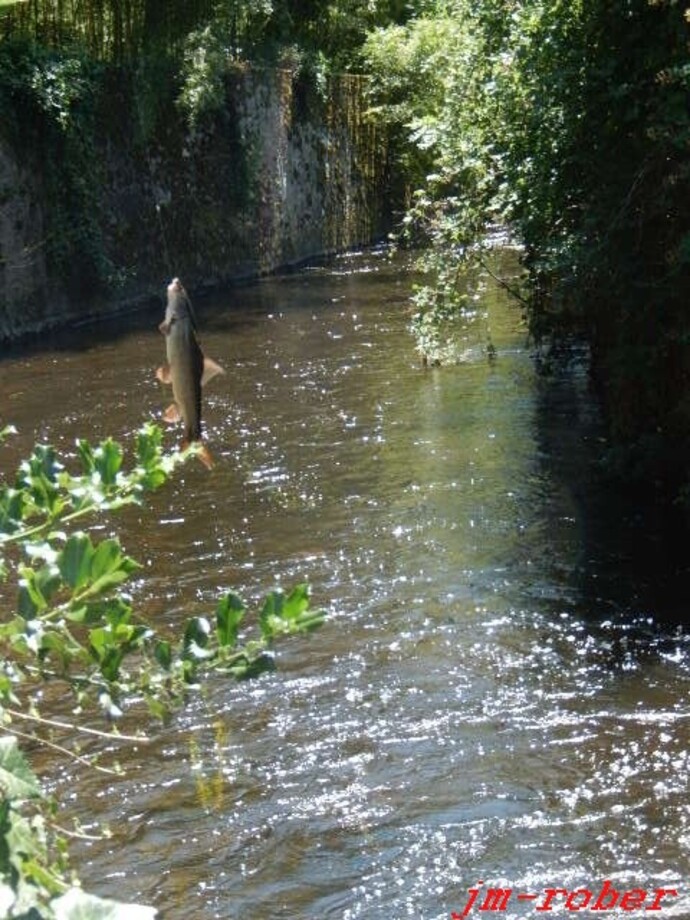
x,y
23,274
279,174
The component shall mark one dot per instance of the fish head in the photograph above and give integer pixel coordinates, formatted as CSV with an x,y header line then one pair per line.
x,y
175,289
178,307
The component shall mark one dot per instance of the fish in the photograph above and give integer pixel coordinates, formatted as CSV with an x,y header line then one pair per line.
x,y
188,370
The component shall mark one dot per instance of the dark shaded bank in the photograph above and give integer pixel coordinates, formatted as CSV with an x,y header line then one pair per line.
x,y
108,187
632,564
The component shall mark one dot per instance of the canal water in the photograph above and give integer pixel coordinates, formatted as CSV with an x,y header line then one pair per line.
x,y
496,699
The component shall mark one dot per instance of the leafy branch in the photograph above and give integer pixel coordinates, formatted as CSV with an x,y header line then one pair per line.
x,y
73,623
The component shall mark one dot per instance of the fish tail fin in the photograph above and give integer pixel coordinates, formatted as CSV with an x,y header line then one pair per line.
x,y
202,452
206,457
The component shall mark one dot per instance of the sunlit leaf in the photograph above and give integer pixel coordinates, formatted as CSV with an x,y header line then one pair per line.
x,y
74,562
17,781
229,615
108,461
109,706
149,441
296,602
270,619
197,633
283,615
13,506
36,589
109,566
198,652
85,451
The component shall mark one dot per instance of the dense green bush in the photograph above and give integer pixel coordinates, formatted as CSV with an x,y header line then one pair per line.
x,y
567,121
48,108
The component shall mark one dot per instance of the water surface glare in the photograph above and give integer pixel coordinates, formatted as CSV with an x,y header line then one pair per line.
x,y
489,699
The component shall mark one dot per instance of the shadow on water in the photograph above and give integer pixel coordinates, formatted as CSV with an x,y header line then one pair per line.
x,y
492,697
633,559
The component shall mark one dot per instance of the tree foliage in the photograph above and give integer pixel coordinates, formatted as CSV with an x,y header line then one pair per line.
x,y
567,121
116,30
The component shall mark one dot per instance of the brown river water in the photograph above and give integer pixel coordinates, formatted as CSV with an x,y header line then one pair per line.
x,y
494,698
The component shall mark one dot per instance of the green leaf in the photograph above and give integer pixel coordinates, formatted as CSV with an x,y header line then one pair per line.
x,y
149,441
36,589
86,456
106,559
282,615
110,663
296,603
55,643
198,652
109,566
229,615
107,461
196,637
7,691
109,610
74,562
30,601
163,654
149,455
13,506
39,877
97,569
247,667
12,628
38,476
109,645
25,846
17,782
270,618
44,462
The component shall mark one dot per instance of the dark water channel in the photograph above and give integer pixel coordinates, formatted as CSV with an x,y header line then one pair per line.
x,y
492,697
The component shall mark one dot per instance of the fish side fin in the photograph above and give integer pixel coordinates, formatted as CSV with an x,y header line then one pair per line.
x,y
203,453
211,370
172,414
163,374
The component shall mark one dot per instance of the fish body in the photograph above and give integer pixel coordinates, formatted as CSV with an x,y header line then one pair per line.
x,y
187,368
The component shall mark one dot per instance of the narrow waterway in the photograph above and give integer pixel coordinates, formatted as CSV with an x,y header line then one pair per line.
x,y
494,697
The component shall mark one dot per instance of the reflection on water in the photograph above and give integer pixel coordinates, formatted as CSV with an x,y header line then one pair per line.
x,y
485,703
